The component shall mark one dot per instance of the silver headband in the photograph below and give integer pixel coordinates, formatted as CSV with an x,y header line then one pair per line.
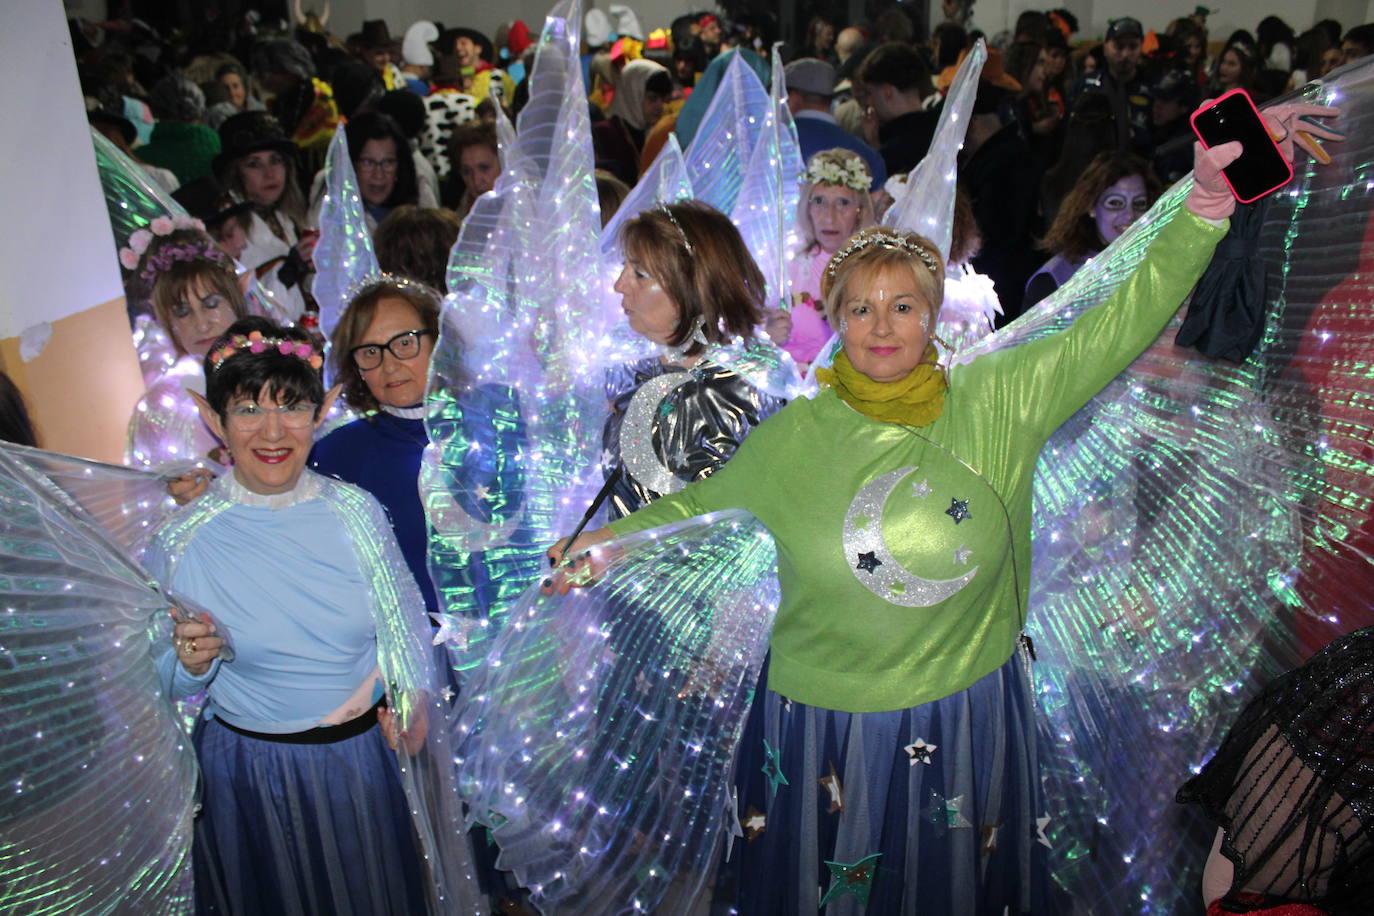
x,y
678,226
883,238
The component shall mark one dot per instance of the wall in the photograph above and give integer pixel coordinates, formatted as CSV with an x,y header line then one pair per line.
x,y
59,277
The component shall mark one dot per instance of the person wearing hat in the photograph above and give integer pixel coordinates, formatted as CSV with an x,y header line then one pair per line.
x,y
1123,82
226,220
180,142
258,165
417,60
303,104
903,99
1174,98
810,88
473,53
375,47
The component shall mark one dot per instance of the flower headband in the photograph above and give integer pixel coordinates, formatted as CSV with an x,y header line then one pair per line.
x,y
165,256
254,342
847,173
883,238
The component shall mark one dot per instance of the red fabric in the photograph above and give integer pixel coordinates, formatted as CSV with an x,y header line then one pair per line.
x,y
1283,909
518,39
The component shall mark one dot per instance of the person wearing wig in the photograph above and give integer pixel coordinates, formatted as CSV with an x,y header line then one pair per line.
x,y
640,94
834,205
302,808
896,732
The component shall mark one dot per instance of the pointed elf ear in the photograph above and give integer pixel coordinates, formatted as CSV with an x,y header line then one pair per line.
x,y
208,415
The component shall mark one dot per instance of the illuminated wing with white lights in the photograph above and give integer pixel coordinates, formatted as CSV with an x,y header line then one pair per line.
x,y
344,257
598,740
99,780
516,398
1201,525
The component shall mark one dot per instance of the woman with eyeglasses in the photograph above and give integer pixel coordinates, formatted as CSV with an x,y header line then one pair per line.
x,y
380,355
1116,189
302,806
384,167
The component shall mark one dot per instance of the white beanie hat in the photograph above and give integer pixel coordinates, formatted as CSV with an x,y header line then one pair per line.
x,y
415,47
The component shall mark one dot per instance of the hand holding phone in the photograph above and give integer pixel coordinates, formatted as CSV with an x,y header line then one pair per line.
x,y
1261,167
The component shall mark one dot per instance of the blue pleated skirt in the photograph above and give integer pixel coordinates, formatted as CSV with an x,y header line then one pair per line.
x,y
303,828
933,809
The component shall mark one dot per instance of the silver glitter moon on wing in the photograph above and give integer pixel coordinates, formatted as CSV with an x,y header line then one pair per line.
x,y
637,434
889,580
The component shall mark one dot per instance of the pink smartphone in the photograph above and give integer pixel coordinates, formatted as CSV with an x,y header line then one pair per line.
x,y
1261,168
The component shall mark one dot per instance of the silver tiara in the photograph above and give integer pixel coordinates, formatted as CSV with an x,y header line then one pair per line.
x,y
678,226
883,238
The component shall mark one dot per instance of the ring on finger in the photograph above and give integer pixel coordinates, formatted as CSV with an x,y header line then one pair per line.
x,y
191,646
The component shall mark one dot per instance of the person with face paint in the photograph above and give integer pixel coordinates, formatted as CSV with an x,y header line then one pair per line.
x,y
897,694
1116,189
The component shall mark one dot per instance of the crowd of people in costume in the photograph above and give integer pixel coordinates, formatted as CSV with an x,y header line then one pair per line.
x,y
354,356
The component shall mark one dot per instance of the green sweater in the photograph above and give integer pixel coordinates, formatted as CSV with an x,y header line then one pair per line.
x,y
903,554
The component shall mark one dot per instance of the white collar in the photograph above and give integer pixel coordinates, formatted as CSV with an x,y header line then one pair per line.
x,y
306,488
405,413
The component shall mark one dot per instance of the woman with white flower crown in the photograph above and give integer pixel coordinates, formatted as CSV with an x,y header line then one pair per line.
x,y
833,206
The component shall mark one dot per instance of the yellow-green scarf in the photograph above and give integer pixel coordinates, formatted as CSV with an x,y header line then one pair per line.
x,y
915,400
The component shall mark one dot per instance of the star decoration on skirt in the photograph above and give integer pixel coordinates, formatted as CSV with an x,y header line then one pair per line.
x,y
856,879
946,812
868,562
920,752
755,822
990,837
958,510
482,492
1040,824
831,784
772,769
961,554
920,489
447,693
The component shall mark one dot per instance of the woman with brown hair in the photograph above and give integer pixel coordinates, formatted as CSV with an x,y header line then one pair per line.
x,y
1114,191
476,161
415,242
258,164
688,281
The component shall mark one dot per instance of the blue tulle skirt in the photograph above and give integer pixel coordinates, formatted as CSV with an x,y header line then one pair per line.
x,y
959,834
303,828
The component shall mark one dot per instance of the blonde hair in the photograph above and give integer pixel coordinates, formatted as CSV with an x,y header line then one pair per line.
x,y
844,159
202,276
867,257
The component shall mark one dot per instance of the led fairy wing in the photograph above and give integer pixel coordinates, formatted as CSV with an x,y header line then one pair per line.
x,y
1195,524
90,738
598,739
663,182
926,204
515,403
721,152
765,207
344,257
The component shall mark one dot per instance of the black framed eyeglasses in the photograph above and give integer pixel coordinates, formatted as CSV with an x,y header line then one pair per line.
x,y
405,345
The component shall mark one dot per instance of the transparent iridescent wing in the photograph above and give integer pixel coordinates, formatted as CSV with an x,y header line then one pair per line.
x,y
598,741
514,404
665,181
1199,526
344,257
100,781
720,154
765,210
926,204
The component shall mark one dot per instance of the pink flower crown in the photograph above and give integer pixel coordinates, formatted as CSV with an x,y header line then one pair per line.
x,y
136,252
254,342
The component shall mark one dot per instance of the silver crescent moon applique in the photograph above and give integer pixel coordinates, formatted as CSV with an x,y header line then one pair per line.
x,y
637,434
872,563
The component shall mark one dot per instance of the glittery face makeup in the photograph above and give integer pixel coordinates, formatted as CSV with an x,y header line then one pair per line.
x,y
885,323
199,318
1118,206
651,312
397,382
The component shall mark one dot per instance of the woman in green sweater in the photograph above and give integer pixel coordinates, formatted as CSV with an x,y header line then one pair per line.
x,y
896,738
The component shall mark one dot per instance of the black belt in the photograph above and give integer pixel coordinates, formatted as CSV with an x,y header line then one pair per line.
x,y
324,734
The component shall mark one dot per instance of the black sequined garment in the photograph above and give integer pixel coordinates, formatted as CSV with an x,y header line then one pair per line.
x,y
1292,787
669,426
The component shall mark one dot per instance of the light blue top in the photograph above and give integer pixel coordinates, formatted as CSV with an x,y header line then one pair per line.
x,y
282,578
